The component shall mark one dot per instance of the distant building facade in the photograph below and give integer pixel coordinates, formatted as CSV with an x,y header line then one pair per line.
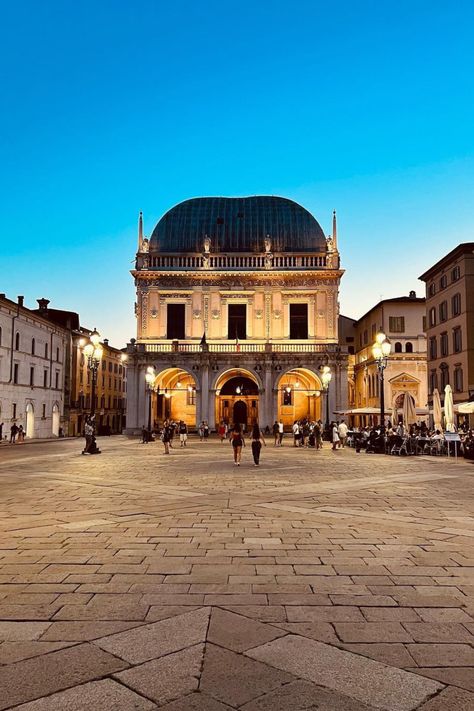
x,y
450,323
237,313
33,364
402,321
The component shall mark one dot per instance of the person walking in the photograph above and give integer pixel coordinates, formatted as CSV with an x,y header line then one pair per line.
x,y
183,433
280,433
144,435
13,433
237,441
201,431
342,431
296,433
222,431
335,437
206,430
166,436
21,434
257,441
318,433
276,433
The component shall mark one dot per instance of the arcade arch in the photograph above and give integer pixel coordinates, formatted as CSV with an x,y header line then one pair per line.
x,y
299,396
237,397
173,397
56,418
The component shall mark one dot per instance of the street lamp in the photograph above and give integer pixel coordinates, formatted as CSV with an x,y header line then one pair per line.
x,y
93,352
326,379
150,381
381,351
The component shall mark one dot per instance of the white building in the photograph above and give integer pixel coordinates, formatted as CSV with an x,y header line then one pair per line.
x,y
32,363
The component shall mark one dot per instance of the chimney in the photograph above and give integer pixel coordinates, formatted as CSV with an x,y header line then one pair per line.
x,y
3,296
412,295
106,341
20,300
43,304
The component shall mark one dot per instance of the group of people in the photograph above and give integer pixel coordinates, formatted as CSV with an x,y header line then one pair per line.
x,y
17,433
167,433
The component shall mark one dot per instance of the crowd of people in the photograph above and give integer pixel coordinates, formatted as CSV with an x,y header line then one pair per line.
x,y
17,433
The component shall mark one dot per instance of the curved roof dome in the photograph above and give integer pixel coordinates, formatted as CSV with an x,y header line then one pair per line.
x,y
238,225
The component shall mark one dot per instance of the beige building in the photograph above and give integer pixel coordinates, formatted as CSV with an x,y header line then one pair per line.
x,y
402,320
237,313
450,323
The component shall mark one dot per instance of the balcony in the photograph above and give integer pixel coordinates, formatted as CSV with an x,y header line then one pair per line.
x,y
230,262
241,347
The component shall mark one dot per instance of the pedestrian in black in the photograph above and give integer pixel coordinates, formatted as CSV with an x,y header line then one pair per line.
x,y
257,440
13,433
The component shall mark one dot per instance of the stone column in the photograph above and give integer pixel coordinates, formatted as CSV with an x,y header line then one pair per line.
x,y
269,415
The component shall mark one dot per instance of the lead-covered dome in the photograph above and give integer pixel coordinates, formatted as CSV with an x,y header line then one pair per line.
x,y
238,225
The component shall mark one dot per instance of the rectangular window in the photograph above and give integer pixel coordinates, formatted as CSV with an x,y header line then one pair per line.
x,y
456,274
433,348
444,377
457,340
456,305
45,379
287,398
443,282
45,350
458,380
433,317
14,410
396,324
443,311
366,337
57,354
237,321
15,374
175,321
444,344
298,321
191,397
373,331
44,412
432,289
433,381
32,376
56,381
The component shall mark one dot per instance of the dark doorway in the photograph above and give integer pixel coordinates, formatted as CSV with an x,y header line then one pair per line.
x,y
240,412
298,321
175,321
237,321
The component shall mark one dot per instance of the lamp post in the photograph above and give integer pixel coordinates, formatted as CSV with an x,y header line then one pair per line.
x,y
150,381
381,351
93,352
326,379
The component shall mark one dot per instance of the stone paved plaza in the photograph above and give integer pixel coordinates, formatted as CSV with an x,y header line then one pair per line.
x,y
321,580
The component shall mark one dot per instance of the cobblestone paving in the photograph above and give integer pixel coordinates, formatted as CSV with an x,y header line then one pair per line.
x,y
320,580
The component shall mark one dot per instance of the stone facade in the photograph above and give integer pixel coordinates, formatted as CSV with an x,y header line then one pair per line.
x,y
402,320
208,371
32,371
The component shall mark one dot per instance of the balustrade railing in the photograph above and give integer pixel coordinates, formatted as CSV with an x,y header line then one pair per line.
x,y
241,347
233,261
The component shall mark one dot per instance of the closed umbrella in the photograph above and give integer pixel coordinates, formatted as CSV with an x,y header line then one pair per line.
x,y
449,409
437,414
409,410
394,414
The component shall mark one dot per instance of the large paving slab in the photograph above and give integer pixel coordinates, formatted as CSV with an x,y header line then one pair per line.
x,y
150,561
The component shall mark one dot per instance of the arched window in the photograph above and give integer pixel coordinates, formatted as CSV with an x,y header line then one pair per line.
x,y
444,375
409,347
32,346
17,341
398,347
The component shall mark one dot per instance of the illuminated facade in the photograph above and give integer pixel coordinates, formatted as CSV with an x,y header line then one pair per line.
x,y
237,313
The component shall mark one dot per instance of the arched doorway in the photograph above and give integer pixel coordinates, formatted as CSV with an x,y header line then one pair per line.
x,y
55,420
299,393
239,412
237,395
173,397
30,421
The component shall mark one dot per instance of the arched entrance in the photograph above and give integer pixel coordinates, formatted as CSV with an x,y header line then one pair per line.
x,y
299,393
237,396
240,412
55,420
30,421
174,397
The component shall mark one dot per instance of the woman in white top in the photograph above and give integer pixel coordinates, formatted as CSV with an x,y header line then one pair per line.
x,y
335,436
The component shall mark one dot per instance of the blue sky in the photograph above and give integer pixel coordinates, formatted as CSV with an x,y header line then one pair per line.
x,y
108,108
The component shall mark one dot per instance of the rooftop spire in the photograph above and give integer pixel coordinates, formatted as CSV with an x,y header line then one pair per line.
x,y
334,230
140,231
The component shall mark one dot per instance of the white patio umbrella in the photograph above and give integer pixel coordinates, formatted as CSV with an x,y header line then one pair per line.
x,y
437,414
449,409
409,410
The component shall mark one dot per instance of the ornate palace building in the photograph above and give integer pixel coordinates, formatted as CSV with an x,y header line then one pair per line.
x,y
237,314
